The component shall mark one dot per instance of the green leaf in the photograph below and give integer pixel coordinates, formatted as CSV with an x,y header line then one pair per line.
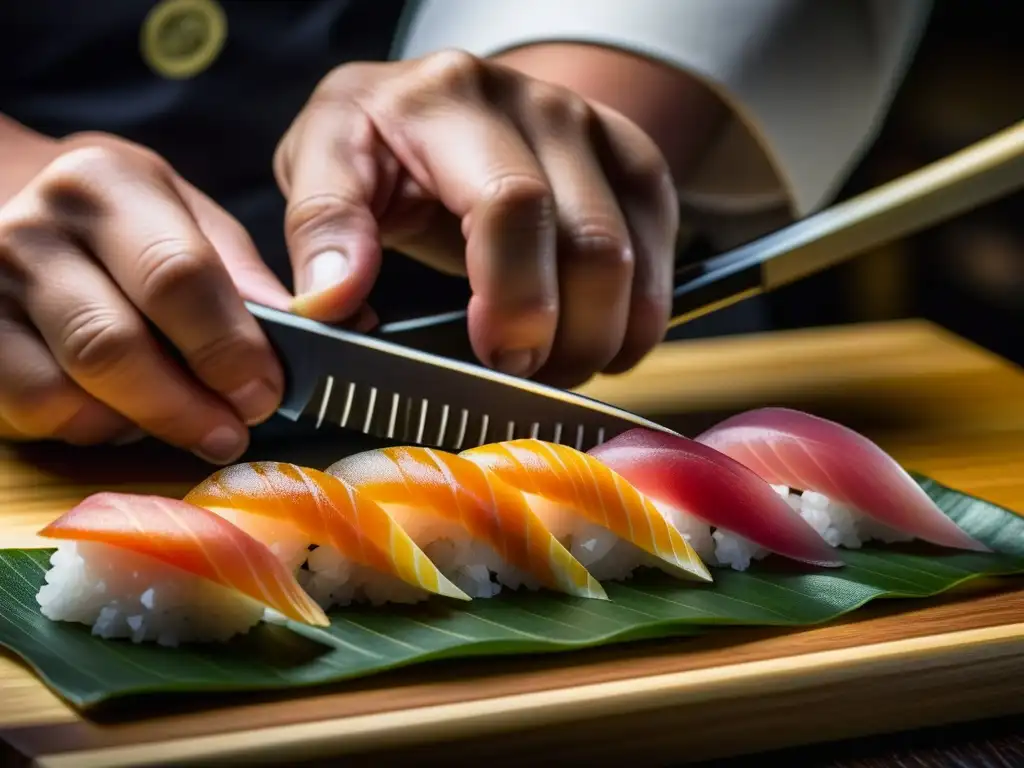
x,y
363,641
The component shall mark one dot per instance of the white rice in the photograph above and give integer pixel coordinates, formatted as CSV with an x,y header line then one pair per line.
x,y
717,547
122,594
334,580
603,553
472,565
837,524
329,577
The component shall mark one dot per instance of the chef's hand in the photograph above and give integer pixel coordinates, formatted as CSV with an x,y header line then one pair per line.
x,y
103,243
562,213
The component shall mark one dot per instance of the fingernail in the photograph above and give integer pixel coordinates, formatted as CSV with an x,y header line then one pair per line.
x,y
515,362
255,401
221,445
132,436
325,271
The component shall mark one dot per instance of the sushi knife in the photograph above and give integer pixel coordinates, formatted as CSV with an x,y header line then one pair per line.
x,y
387,390
979,174
415,381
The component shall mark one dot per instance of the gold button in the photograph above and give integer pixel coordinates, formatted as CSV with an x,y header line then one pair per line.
x,y
182,38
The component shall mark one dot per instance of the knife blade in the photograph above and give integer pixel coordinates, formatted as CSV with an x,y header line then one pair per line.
x,y
397,393
981,173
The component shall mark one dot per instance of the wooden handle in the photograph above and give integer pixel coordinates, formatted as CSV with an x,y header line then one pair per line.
x,y
977,175
983,172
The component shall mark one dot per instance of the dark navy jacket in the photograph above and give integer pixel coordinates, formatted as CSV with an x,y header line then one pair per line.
x,y
78,65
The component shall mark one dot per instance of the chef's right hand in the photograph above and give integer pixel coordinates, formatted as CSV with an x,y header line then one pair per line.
x,y
104,241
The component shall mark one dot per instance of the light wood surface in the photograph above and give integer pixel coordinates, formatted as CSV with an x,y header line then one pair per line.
x,y
938,404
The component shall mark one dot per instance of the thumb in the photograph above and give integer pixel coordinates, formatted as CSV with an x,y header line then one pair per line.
x,y
332,233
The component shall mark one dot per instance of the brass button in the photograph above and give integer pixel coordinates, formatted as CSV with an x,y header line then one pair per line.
x,y
182,38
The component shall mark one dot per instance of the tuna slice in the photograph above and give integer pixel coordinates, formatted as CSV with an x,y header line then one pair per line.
x,y
809,453
700,482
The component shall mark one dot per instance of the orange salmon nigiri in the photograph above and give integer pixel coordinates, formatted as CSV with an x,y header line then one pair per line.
x,y
360,555
470,523
604,521
155,569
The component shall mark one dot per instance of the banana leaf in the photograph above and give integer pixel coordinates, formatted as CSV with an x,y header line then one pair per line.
x,y
362,641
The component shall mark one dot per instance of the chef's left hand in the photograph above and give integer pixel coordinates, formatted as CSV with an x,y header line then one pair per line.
x,y
562,213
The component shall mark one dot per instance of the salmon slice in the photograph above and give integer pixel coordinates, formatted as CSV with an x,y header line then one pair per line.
x,y
445,498
808,453
696,481
326,511
193,540
569,478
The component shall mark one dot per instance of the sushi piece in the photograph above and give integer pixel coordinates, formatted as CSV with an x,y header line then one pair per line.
x,y
478,530
606,523
344,547
731,515
154,569
844,485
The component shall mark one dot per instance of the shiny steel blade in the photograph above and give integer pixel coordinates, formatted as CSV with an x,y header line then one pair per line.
x,y
396,393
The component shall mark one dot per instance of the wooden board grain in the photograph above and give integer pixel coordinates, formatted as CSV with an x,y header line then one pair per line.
x,y
892,665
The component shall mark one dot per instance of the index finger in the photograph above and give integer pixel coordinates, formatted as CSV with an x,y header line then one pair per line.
x,y
478,164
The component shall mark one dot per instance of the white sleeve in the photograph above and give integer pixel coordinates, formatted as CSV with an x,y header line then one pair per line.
x,y
809,82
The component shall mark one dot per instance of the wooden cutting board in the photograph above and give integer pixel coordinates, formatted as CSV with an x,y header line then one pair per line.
x,y
938,404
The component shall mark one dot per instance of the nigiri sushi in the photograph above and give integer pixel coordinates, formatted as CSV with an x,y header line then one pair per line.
x,y
351,548
699,490
154,569
842,483
478,530
606,523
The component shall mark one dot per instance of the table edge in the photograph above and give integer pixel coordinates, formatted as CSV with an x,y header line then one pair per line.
x,y
620,697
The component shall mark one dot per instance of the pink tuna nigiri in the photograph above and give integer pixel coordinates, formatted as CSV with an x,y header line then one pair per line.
x,y
852,490
691,482
150,568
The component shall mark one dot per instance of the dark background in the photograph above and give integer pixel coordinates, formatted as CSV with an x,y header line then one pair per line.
x,y
966,83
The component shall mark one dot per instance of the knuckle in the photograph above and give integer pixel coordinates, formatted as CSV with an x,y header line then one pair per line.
x,y
648,324
226,357
70,186
172,265
31,388
38,403
648,169
560,108
86,162
520,193
96,340
649,317
601,245
312,213
453,71
24,238
111,151
345,77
